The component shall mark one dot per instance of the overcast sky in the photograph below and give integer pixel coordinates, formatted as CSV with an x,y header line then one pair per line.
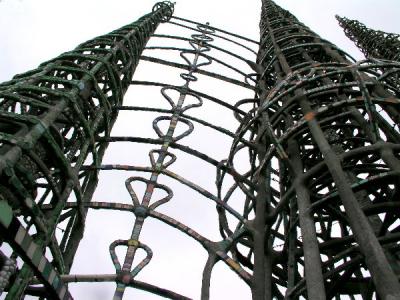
x,y
33,31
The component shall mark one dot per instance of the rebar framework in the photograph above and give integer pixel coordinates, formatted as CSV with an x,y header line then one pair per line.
x,y
50,119
331,146
312,212
373,43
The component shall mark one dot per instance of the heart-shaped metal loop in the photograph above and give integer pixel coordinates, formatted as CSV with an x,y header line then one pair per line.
x,y
151,185
162,155
173,123
198,100
202,59
130,243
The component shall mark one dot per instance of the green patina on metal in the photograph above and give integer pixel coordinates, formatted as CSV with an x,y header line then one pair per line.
x,y
50,119
6,213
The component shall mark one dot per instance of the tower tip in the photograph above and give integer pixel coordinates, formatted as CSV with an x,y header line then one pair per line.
x,y
168,6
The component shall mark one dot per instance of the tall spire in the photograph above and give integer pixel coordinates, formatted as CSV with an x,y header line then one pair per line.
x,y
49,120
373,43
318,119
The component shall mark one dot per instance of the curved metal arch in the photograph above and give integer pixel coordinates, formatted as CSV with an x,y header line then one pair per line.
x,y
167,140
210,246
197,120
203,72
201,94
203,55
216,35
183,148
218,29
250,63
182,180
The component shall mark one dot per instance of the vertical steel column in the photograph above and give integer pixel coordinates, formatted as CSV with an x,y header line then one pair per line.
x,y
50,119
373,43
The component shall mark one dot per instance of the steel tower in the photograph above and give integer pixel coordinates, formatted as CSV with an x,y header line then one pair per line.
x,y
320,117
373,43
303,177
50,118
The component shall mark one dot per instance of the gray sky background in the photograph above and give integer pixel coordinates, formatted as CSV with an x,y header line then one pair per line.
x,y
33,31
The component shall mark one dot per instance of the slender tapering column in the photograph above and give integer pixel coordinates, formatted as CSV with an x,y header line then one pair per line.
x,y
373,43
50,119
328,145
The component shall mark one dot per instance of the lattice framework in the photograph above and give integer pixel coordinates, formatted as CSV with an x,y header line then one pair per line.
x,y
319,216
373,43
